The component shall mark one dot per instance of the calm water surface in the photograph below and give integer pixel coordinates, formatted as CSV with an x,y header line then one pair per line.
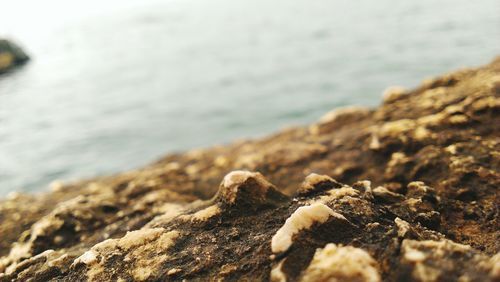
x,y
115,84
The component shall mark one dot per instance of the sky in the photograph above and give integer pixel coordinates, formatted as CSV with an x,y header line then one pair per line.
x,y
29,21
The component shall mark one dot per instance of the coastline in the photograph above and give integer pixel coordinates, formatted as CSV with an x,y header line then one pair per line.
x,y
431,156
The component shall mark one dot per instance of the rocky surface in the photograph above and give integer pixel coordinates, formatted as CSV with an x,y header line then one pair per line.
x,y
404,192
11,55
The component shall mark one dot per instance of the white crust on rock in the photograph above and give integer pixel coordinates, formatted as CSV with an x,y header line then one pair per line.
x,y
338,263
402,226
145,249
333,115
418,253
312,180
206,213
303,218
336,194
89,257
393,92
233,180
277,274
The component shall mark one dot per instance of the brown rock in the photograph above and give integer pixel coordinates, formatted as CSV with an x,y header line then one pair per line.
x,y
432,155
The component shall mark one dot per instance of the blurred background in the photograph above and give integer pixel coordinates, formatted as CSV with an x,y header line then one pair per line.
x,y
115,84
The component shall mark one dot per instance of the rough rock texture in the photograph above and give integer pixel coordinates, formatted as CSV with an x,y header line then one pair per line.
x,y
11,55
404,192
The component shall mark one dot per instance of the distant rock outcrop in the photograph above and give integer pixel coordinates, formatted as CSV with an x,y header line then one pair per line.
x,y
405,192
11,55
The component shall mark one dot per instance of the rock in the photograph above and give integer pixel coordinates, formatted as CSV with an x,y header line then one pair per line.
x,y
296,206
315,183
241,188
303,218
337,263
11,55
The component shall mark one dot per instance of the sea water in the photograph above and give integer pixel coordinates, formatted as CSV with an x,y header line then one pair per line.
x,y
115,84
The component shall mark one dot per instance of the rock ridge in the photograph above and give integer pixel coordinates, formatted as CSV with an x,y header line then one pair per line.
x,y
404,192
